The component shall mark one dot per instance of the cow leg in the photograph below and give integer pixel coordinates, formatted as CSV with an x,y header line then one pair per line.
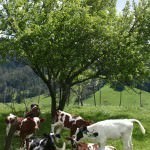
x,y
58,126
58,130
27,144
130,143
8,129
22,144
72,132
53,126
127,143
102,144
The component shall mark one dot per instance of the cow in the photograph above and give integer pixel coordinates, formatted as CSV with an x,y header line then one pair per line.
x,y
45,143
67,121
92,146
34,111
10,119
101,131
87,146
25,127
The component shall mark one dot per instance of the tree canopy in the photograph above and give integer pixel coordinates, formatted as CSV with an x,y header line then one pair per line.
x,y
68,42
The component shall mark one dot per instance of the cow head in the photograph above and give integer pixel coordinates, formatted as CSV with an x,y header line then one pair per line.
x,y
48,142
30,125
34,106
83,132
80,133
35,110
57,114
11,118
37,121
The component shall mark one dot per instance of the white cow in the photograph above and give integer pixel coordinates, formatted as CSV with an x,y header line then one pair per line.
x,y
109,129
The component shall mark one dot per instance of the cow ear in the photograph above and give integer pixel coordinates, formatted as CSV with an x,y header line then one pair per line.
x,y
83,128
29,118
6,120
95,134
32,105
58,135
42,119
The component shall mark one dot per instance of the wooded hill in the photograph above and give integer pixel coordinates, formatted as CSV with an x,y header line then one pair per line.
x,y
18,81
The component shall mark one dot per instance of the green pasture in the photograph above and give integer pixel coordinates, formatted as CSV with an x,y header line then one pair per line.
x,y
108,109
129,97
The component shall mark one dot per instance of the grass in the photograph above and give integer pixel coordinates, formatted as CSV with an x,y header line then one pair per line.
x,y
108,109
111,97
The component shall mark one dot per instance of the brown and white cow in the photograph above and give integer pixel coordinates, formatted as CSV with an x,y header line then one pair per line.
x,y
87,146
92,146
68,121
10,119
25,127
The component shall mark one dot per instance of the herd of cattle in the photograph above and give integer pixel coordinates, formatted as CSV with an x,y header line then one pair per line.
x,y
98,133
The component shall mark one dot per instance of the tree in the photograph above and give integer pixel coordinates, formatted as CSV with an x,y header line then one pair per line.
x,y
68,42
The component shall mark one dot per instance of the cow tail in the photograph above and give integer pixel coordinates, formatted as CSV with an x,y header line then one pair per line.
x,y
139,123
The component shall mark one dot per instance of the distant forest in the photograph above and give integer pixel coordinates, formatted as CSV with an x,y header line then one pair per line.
x,y
18,81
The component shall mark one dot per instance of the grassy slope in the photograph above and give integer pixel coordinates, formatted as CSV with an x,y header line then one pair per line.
x,y
108,109
129,97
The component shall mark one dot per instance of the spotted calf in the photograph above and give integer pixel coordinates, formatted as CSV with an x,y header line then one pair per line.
x,y
67,121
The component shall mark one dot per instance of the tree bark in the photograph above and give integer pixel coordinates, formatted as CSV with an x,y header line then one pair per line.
x,y
94,95
120,99
65,96
53,102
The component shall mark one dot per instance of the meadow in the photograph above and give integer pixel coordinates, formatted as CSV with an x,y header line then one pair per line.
x,y
107,108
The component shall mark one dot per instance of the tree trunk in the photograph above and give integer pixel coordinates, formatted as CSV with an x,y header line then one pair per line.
x,y
140,98
120,99
65,96
81,100
100,96
94,95
53,102
53,108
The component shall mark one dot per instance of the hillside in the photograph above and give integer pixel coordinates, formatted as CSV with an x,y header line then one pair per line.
x,y
18,81
129,97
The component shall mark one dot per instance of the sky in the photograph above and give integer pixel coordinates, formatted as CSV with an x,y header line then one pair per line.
x,y
121,4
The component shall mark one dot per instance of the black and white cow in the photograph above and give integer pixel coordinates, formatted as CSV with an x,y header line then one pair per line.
x,y
46,143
